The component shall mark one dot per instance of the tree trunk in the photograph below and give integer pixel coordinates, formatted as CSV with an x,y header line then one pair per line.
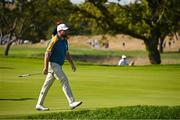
x,y
161,44
153,53
151,46
161,47
6,52
154,56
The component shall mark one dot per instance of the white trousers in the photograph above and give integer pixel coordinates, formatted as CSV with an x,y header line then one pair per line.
x,y
55,71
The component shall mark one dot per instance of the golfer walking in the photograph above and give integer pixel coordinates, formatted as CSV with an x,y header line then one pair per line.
x,y
54,58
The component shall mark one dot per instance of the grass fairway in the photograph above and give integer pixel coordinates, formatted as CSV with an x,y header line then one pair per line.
x,y
97,86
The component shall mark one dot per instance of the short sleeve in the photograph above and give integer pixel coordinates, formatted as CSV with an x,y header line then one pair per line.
x,y
51,44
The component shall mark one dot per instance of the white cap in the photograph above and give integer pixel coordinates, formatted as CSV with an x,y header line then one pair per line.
x,y
123,56
62,27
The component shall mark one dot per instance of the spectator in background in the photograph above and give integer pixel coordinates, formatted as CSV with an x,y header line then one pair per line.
x,y
123,61
105,42
123,44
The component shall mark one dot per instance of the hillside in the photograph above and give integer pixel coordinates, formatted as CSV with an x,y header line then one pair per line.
x,y
116,42
133,48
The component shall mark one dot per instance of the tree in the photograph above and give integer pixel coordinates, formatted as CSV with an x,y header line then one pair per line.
x,y
149,20
14,21
31,19
8,22
63,9
24,20
171,21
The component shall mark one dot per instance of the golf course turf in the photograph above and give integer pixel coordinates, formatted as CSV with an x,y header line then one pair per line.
x,y
103,88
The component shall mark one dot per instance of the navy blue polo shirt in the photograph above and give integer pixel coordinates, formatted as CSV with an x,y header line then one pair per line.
x,y
58,48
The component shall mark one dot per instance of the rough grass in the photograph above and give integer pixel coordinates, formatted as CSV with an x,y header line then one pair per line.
x,y
127,112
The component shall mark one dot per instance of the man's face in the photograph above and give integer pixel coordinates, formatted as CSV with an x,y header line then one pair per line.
x,y
63,33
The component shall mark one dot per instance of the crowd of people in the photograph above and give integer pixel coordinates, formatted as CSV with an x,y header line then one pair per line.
x,y
102,43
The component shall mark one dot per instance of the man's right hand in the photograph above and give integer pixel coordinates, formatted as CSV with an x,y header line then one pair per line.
x,y
45,71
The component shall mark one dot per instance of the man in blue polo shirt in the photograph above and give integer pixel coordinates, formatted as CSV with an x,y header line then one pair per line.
x,y
54,58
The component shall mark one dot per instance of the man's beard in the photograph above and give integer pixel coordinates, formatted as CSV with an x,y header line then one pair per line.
x,y
65,36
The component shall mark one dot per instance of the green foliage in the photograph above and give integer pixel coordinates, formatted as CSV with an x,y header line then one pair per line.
x,y
93,17
20,16
60,9
41,20
90,23
33,19
138,20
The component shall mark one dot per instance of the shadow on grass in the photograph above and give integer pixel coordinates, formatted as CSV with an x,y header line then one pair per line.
x,y
170,52
6,68
17,99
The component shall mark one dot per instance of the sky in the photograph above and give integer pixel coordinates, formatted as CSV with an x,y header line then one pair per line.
x,y
122,1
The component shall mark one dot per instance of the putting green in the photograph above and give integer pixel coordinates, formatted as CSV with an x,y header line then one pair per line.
x,y
96,86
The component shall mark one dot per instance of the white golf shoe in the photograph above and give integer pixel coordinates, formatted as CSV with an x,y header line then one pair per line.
x,y
75,104
41,108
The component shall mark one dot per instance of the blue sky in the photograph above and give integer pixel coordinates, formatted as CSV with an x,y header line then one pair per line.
x,y
122,1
